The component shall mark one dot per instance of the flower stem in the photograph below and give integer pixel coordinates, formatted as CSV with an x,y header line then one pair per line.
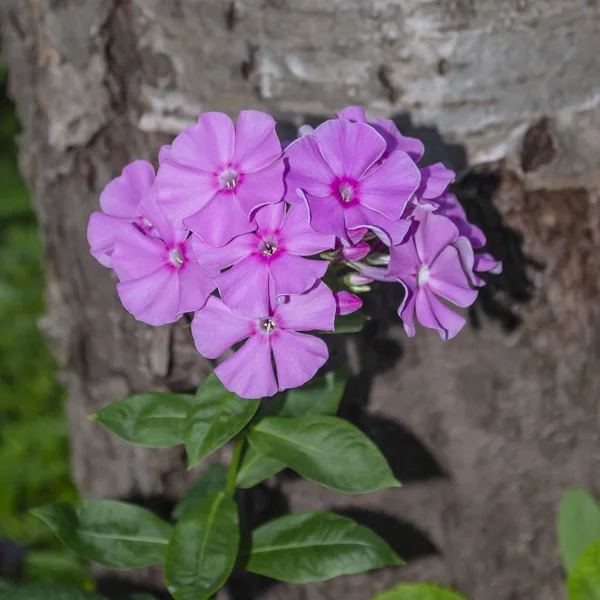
x,y
238,450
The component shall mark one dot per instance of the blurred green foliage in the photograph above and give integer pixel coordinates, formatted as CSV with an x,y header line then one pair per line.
x,y
34,467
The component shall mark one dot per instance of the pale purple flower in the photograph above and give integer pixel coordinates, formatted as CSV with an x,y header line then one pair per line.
x,y
429,264
119,201
159,276
388,130
217,175
271,336
267,264
338,171
346,303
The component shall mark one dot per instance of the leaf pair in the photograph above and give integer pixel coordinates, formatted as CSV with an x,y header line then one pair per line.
x,y
203,422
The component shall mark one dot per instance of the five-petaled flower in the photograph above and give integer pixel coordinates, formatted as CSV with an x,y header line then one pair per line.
x,y
275,334
267,264
429,263
216,175
160,279
340,172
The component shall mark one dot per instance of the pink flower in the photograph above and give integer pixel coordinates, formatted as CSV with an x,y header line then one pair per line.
x,y
217,175
338,172
429,264
268,263
120,206
159,276
274,335
389,132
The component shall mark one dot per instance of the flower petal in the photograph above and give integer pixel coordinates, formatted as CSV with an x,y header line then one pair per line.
x,y
453,210
349,149
486,263
297,357
396,141
435,180
101,232
432,313
346,303
261,187
245,287
310,311
434,232
182,190
388,188
122,195
220,221
216,328
164,153
153,298
270,218
256,143
406,310
353,113
298,237
213,260
137,255
293,274
448,279
306,169
208,145
404,259
195,286
249,372
326,215
389,232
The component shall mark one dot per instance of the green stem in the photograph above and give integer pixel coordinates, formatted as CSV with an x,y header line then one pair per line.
x,y
238,450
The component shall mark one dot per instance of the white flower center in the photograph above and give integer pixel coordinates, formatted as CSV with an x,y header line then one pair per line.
x,y
267,325
423,275
228,179
346,192
176,257
268,247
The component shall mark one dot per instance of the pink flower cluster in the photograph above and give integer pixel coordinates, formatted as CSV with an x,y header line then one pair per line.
x,y
230,212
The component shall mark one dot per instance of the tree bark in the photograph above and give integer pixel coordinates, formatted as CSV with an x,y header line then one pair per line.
x,y
486,431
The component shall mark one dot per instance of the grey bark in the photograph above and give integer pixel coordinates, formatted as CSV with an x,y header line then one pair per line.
x,y
487,430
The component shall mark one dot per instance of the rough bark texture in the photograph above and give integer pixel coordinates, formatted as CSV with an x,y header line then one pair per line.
x,y
487,430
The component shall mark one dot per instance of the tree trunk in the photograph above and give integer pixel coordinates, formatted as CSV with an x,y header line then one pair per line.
x,y
486,431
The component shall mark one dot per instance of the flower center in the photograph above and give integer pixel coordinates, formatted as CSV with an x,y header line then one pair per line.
x,y
267,325
268,247
346,192
176,257
228,179
422,275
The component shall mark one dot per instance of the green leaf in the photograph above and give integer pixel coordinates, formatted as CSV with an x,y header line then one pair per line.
x,y
218,416
142,597
152,420
583,582
214,479
419,591
320,396
203,549
300,548
256,468
578,525
352,323
326,450
115,534
47,591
